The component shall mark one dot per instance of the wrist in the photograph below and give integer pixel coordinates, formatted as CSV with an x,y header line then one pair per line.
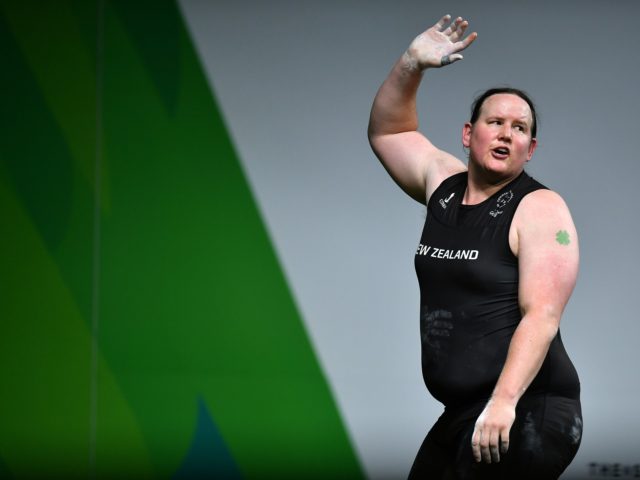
x,y
410,62
507,397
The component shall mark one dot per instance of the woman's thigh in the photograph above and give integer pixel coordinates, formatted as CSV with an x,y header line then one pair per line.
x,y
543,441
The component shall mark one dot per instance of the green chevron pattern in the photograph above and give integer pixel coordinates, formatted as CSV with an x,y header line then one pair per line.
x,y
203,363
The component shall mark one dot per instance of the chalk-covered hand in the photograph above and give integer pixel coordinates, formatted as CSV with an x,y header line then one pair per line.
x,y
439,45
491,434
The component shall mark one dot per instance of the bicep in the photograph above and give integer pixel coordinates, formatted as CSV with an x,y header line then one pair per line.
x,y
548,254
414,163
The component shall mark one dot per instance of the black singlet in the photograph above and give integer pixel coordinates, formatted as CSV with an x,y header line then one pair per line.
x,y
469,311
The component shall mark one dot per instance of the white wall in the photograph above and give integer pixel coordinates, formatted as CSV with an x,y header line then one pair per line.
x,y
295,81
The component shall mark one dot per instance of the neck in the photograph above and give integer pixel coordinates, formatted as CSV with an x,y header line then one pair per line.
x,y
480,187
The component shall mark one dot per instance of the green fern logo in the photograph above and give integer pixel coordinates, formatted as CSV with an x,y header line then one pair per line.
x,y
562,237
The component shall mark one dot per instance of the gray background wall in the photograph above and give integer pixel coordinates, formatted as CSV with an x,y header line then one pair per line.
x,y
295,81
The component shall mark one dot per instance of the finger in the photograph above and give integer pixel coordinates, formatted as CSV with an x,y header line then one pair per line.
x,y
452,28
459,32
494,445
475,445
485,454
504,441
440,24
467,41
448,59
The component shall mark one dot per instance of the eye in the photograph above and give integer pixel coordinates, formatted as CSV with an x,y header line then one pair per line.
x,y
520,128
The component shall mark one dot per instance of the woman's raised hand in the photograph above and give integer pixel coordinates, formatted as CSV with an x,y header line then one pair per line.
x,y
440,44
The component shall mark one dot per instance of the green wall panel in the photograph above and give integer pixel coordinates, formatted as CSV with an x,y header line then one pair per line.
x,y
159,338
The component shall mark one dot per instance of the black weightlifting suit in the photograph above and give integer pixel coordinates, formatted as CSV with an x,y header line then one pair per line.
x,y
469,311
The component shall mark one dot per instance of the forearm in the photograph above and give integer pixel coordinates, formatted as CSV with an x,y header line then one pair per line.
x,y
527,351
394,107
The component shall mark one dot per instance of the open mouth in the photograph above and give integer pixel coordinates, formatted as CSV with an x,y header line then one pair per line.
x,y
501,152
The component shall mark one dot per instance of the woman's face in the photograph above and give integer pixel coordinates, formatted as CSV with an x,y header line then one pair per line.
x,y
500,142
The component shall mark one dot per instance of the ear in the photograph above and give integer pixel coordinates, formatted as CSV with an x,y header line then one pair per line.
x,y
532,148
466,135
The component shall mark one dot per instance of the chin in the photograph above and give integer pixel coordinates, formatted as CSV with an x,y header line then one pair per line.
x,y
495,170
498,174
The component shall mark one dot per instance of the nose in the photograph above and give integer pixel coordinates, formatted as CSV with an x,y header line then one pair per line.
x,y
505,131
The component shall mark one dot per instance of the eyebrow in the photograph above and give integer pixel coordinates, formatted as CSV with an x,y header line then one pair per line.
x,y
503,117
